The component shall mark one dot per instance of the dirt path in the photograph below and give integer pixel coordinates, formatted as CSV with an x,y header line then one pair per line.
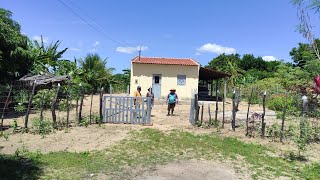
x,y
193,170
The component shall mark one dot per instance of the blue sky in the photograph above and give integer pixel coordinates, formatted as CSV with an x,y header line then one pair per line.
x,y
167,28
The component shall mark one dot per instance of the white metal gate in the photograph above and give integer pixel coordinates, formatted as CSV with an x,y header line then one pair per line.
x,y
122,109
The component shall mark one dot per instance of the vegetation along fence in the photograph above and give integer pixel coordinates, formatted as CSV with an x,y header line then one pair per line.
x,y
272,113
36,107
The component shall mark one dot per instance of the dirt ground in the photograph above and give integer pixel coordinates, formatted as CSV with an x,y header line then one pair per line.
x,y
78,139
193,169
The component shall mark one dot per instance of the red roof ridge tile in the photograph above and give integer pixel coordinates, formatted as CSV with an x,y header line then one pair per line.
x,y
166,60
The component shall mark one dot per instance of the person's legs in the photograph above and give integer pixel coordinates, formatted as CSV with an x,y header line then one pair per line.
x,y
169,107
172,108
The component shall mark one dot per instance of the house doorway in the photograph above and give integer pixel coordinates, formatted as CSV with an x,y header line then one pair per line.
x,y
156,85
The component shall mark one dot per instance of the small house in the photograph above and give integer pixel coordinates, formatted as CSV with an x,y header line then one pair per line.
x,y
163,74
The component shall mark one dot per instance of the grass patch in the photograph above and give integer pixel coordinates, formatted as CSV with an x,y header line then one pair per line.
x,y
311,171
148,147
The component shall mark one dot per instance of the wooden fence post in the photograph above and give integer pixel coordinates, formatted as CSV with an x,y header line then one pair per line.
x,y
4,108
53,107
29,104
67,102
304,111
81,103
217,100
128,90
233,121
201,114
283,117
42,105
247,121
197,108
77,107
210,120
91,108
100,105
263,126
224,100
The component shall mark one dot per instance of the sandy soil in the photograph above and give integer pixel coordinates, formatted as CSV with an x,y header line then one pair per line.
x,y
192,170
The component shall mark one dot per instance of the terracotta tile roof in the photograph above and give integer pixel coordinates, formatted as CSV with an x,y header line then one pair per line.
x,y
165,61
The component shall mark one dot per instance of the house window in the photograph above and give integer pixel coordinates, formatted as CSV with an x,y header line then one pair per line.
x,y
181,80
136,81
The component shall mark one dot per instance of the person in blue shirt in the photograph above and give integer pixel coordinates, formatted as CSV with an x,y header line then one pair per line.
x,y
172,100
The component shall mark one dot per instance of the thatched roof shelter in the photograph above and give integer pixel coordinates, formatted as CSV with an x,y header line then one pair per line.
x,y
46,79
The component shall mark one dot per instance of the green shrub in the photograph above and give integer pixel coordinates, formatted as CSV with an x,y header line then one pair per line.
x,y
41,126
277,102
20,108
271,85
21,96
63,105
274,131
44,98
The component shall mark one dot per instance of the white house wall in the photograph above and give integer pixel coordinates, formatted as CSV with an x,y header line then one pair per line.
x,y
143,74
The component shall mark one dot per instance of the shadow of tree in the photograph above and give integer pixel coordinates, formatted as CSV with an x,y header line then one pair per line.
x,y
13,167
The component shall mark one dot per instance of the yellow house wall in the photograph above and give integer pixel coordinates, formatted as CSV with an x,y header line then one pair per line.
x,y
143,73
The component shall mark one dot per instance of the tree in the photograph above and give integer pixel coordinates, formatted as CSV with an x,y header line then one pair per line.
x,y
46,57
303,53
228,64
94,72
305,26
15,59
122,80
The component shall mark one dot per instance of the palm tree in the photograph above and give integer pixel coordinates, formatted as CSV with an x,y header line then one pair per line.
x,y
94,71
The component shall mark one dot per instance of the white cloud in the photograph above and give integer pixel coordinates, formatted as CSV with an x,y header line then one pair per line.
x,y
269,58
38,38
95,44
197,54
130,50
215,48
74,49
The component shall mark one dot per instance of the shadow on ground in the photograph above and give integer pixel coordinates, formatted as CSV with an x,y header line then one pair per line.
x,y
12,167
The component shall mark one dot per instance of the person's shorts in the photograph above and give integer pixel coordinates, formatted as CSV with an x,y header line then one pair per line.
x,y
171,106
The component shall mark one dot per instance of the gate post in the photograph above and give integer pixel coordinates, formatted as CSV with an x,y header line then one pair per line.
x,y
149,110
